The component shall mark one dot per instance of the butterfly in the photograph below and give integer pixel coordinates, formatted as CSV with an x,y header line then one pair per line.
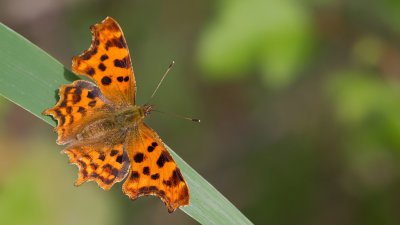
x,y
104,127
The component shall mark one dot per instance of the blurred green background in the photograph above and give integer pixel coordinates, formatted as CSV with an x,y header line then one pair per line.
x,y
299,102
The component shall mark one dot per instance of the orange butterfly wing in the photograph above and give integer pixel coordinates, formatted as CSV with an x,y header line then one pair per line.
x,y
108,63
105,163
153,170
80,103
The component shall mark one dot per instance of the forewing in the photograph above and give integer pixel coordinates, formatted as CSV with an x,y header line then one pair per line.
x,y
153,170
108,63
80,103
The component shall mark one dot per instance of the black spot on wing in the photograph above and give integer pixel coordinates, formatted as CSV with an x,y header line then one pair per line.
x,y
76,98
150,148
106,80
108,44
119,159
119,42
113,152
91,94
102,156
176,177
64,103
69,109
67,90
164,157
61,116
138,157
111,170
90,71
102,67
94,166
82,110
134,175
92,103
146,170
87,55
116,42
104,57
77,95
123,63
155,176
167,182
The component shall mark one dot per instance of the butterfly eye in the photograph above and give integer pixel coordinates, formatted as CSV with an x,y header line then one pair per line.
x,y
147,109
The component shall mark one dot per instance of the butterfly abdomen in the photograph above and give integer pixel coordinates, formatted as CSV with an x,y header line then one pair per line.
x,y
118,121
97,128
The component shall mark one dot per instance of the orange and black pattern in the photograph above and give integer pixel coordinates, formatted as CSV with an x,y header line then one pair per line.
x,y
79,104
108,139
154,171
108,63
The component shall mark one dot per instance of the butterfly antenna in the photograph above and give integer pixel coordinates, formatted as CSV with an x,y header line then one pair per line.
x,y
178,116
159,83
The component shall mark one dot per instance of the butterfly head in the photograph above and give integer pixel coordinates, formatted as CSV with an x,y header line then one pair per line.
x,y
147,110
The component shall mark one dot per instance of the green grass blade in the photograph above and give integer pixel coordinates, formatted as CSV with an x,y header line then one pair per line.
x,y
30,78
207,205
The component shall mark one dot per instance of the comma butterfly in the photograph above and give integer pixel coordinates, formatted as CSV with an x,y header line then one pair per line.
x,y
105,130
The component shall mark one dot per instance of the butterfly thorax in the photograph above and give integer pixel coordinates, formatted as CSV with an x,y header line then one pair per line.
x,y
132,115
120,120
